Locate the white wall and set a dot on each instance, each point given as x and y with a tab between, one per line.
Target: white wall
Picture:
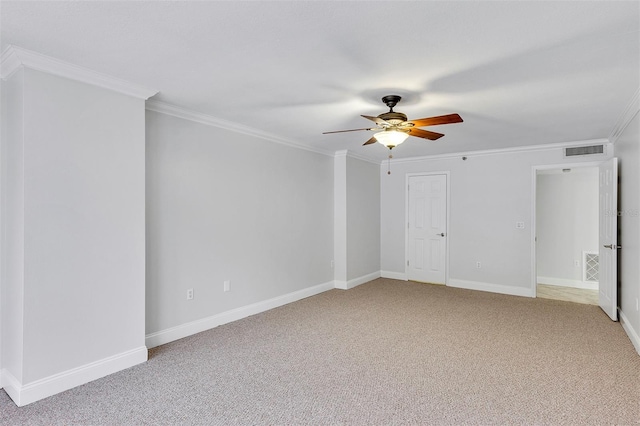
567	223
227	206
74	287
628	151
363	219
12	230
490	192
356	220
340	246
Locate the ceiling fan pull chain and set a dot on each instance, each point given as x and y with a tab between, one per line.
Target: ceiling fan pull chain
389	166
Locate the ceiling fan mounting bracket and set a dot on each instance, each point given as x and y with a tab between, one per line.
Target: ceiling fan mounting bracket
391	101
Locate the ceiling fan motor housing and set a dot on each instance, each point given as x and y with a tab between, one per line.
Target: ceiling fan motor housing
393	117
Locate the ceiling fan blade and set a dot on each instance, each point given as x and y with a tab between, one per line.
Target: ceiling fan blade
425	134
370	141
342	131
432	121
379	121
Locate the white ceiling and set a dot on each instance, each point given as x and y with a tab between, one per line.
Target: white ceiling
519	73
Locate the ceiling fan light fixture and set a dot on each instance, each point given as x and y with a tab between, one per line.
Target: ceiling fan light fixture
391	138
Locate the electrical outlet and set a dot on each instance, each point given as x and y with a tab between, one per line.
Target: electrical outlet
332	263
190	294
576	263
478	265
227	285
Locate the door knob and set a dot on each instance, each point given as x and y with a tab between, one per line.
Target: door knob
442	234
612	246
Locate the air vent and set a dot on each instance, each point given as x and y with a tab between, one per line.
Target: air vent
591	265
584	150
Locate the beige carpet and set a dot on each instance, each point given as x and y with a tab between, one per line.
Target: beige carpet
384	353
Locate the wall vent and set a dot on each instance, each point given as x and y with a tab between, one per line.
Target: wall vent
591	266
584	150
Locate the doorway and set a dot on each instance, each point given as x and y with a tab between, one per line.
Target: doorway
567	241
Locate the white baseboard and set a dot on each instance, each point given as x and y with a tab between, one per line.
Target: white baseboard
633	334
394	275
492	288
346	285
184	330
563	282
11	385
40	389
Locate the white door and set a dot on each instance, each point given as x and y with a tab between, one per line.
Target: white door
426	229
608	253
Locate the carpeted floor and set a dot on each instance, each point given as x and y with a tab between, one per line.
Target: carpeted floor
387	352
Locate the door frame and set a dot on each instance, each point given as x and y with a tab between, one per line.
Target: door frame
406	220
534	176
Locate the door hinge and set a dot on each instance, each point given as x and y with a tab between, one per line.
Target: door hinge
407	263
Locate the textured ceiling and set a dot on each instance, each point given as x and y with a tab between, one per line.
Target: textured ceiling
519	73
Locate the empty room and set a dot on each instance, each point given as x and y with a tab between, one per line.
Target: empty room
319	212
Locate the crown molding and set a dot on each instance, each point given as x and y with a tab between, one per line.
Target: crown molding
627	115
351	154
14	58
528	148
9	62
176	111
362	158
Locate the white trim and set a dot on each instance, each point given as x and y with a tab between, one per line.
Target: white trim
595	163
362	157
563	282
346	285
340	284
35	391
625	118
492	288
394	275
9	62
351	154
208	120
11	385
15	57
341	153
184	330
633	334
528	148
447	174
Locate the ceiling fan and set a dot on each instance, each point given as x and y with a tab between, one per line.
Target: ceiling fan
393	127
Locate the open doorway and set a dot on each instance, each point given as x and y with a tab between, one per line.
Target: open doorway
567	241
